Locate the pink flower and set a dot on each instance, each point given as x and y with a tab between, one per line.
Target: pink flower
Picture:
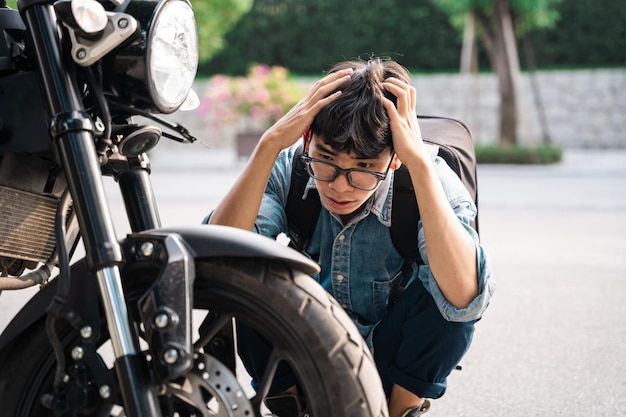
255	101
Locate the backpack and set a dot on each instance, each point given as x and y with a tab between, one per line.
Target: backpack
454	144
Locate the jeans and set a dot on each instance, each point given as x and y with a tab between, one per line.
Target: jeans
415	347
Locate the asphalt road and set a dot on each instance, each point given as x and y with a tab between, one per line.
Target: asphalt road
553	341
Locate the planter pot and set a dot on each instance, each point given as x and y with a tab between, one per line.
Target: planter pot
246	142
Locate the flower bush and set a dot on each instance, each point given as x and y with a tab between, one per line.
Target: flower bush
252	103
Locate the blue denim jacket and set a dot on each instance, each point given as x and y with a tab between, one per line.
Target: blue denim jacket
358	261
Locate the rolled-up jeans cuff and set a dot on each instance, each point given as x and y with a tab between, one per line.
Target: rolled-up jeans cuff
423	389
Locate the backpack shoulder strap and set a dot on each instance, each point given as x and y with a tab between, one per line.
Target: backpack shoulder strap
405	216
302	214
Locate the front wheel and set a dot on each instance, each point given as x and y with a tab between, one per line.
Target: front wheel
303	326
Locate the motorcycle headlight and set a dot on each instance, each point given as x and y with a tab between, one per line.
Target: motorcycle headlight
157	69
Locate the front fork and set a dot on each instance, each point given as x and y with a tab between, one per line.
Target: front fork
72	132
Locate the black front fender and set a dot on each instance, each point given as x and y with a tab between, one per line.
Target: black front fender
202	241
210	241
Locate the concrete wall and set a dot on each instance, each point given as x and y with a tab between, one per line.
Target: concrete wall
584	108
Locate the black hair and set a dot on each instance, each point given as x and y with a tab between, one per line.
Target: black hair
356	122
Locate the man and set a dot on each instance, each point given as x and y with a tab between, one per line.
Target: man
360	125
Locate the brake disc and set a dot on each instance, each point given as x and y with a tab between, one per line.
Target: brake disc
211	389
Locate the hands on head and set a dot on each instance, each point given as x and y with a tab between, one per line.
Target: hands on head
289	128
389	76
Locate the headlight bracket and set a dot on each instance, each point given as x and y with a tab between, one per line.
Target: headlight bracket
119	28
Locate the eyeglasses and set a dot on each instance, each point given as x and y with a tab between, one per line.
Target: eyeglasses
357	178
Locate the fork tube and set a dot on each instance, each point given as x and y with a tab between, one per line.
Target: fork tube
132	374
138	195
72	131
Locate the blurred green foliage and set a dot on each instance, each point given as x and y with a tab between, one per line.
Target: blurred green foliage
527	14
590	33
308	35
214	18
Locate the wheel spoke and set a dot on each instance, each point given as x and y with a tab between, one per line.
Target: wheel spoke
266	381
210	327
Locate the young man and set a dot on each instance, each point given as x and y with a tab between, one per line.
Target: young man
360	125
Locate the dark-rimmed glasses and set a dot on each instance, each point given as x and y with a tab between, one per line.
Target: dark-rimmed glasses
358	178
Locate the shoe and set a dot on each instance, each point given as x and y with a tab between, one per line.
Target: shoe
287	405
419	410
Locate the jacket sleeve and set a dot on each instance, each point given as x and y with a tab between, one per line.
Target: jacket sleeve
465	210
271	219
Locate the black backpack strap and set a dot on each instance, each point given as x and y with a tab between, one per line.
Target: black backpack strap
302	214
405	216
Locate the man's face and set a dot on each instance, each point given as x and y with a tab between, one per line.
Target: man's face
339	196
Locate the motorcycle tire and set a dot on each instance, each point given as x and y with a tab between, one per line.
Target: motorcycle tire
308	330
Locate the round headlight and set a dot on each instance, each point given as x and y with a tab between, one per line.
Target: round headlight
172	54
156	70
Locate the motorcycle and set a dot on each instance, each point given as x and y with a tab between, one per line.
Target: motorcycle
145	324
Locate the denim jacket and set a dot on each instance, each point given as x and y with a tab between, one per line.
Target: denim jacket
358	261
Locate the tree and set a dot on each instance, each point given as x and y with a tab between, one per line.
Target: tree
498	24
214	19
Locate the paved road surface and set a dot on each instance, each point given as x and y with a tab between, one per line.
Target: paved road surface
553	341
